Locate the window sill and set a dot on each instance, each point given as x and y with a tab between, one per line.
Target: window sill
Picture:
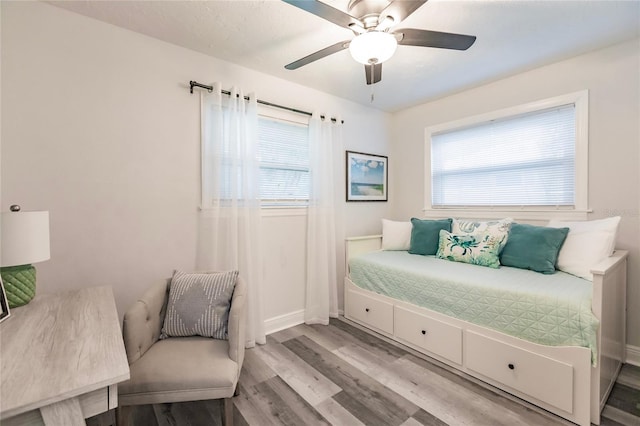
515	213
283	211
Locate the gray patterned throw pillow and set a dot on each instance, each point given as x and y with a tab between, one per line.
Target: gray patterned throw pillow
199	305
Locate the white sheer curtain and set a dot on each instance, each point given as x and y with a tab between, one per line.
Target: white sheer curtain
229	223
325	140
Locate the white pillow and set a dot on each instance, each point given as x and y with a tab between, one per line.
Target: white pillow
587	244
396	235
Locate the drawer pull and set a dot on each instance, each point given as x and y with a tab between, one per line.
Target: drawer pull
512	367
366	309
424	331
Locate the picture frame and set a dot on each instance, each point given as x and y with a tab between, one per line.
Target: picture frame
367	176
4	305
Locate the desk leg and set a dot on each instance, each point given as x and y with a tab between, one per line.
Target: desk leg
112	391
63	413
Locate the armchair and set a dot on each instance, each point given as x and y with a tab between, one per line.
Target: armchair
179	369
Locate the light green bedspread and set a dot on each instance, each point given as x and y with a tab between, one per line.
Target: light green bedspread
551	309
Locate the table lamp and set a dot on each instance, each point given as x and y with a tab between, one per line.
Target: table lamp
25	240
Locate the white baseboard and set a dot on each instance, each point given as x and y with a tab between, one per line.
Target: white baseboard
291	319
281	322
633	355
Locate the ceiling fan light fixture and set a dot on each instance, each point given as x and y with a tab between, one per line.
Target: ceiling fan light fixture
373	47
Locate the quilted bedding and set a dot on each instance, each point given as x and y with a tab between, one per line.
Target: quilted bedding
551	309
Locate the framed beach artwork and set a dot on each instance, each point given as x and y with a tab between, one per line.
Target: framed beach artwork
4	306
367	177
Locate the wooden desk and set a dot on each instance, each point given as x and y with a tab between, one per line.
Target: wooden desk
61	357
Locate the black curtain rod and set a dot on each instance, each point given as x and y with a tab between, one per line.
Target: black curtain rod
193	84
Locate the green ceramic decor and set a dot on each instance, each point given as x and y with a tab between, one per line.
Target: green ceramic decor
19	284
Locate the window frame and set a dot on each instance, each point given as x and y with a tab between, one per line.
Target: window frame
295	207
577	212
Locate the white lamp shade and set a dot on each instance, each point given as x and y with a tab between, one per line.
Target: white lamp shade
373	47
25	238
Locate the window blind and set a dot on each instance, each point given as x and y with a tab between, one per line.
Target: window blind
524	160
284	162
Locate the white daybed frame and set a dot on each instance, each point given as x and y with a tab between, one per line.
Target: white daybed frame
560	379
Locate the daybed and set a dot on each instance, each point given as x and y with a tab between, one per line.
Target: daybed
572	380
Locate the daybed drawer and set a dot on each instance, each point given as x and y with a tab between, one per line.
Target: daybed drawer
369	310
543	378
435	336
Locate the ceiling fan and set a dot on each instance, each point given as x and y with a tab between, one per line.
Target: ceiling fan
374	43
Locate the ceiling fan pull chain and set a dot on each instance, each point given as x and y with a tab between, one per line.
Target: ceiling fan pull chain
371	69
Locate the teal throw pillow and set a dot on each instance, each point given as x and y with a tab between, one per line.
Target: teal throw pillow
425	235
533	247
478	249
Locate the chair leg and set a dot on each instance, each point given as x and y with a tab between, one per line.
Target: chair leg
228	412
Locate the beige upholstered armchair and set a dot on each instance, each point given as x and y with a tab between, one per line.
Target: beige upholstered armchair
179	369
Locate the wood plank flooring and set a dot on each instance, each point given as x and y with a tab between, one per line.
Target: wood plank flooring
342	375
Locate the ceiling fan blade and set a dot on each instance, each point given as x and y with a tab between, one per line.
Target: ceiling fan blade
325	11
426	38
318	55
373	73
399	10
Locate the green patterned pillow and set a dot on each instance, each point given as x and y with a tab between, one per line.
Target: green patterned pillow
478	249
498	228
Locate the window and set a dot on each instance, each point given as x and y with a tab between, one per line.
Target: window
284	162
532	157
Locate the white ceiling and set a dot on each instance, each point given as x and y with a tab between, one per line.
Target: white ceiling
265	35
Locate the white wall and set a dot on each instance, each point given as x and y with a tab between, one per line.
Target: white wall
99	128
612	77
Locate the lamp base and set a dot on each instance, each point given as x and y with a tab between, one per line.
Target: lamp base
19	284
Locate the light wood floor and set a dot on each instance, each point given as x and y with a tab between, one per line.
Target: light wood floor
341	375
